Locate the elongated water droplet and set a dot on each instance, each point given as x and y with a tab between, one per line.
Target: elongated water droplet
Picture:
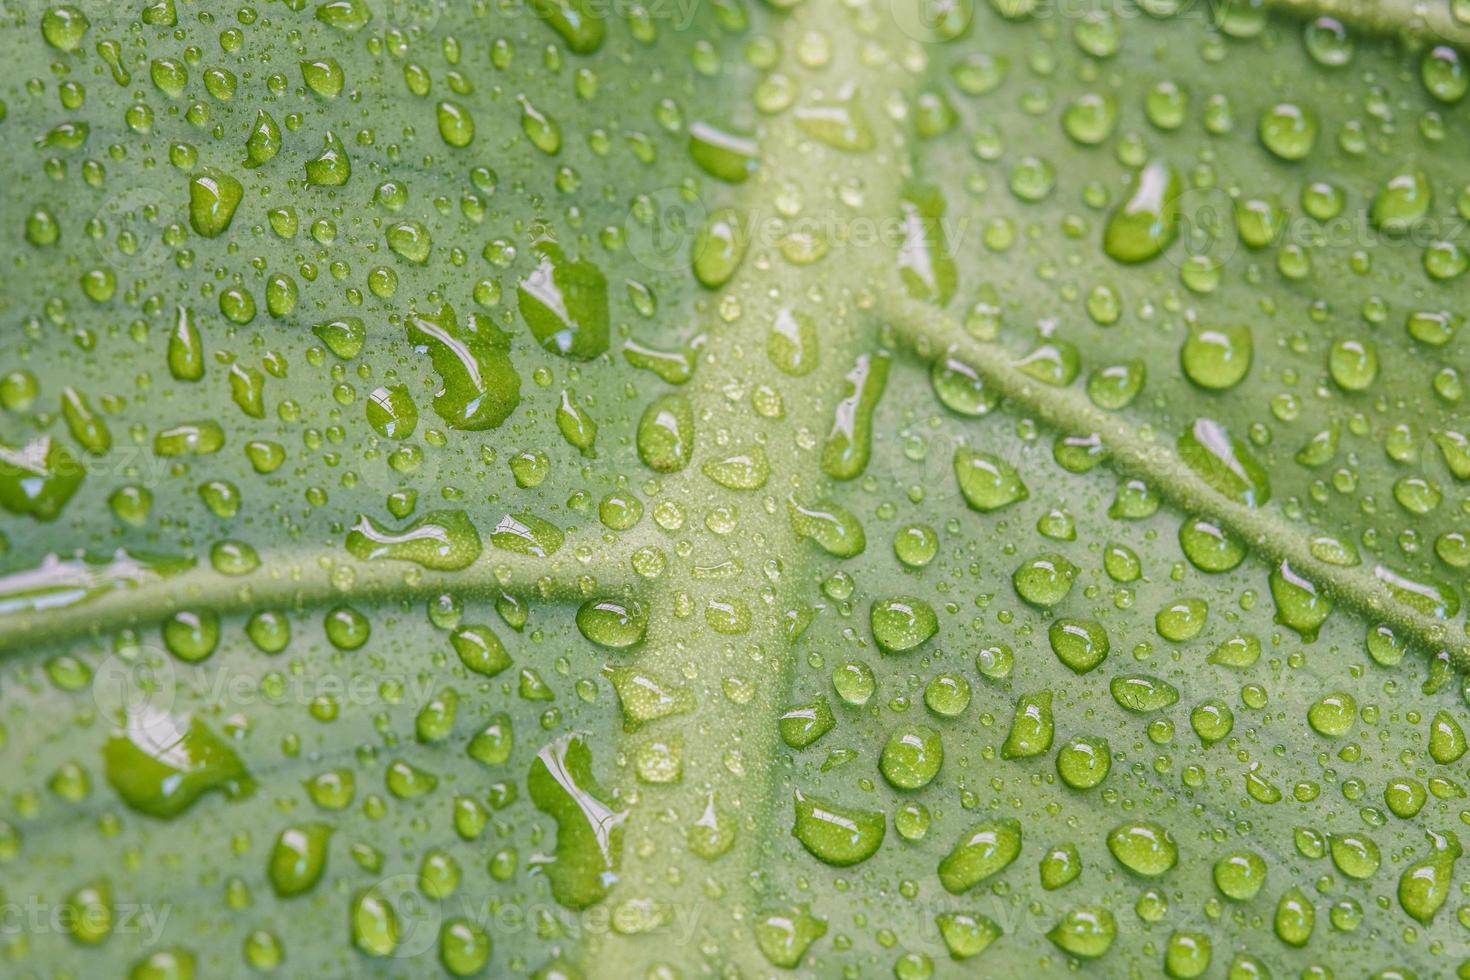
924	262
213	197
665	436
443	540
1424	885
792	342
1147	221
1225	463
718	248
264	142
299	858
1032	728
564	302
578	22
1300	605
849	443
583	866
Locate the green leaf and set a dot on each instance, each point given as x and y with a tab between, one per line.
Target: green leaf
568	489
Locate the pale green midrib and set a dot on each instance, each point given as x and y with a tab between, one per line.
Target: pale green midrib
1266	532
293	580
737	350
1425	22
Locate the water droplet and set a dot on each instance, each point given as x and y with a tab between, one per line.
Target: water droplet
1143	847
160	765
726	155
833	528
960	388
564	302
1401	202
213	197
983	851
1333	715
579	23
1225	463
1424	885
1032	728
987	482
1044	580
849	443
1181	620
902	623
1209	547
719	248
331	167
1142	693
443	540
785	935
480	387
1295	917
665	436
911	757
837	835
1086	932
1289	131
456	124
1147	221
804	724
924	262
612	623
588	848
299	858
1217	358
64	26
966	934
1081	644
1299	604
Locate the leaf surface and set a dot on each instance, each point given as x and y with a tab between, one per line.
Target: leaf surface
563	490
